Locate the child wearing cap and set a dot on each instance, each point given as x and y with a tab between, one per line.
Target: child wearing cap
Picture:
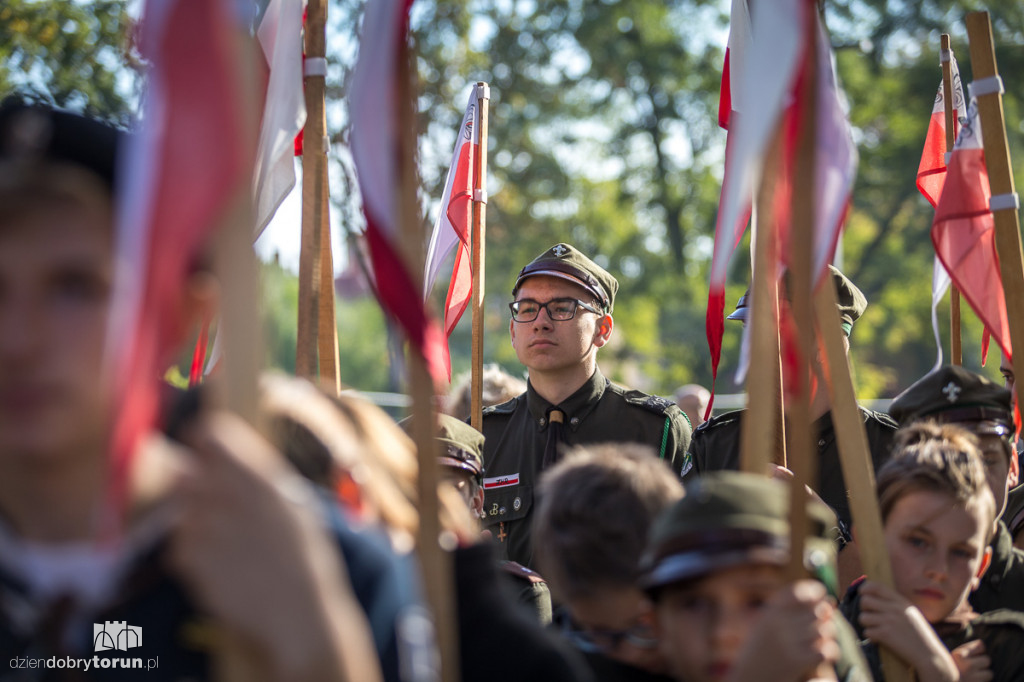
724	609
938	514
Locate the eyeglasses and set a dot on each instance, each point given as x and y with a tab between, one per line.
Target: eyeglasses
602	641
559	309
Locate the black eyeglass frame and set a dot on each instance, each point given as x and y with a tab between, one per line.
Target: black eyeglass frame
577	304
602	641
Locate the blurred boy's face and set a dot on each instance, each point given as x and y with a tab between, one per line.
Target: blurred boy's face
1001	470
56	267
702	625
936	547
619	623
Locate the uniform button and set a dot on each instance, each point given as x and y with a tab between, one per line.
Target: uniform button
501	512
821	443
542	421
575	421
996	579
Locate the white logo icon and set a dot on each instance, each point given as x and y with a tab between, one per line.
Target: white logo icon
115	634
560	250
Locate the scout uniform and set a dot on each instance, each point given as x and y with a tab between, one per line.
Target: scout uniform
955	395
716	443
462	448
730	519
520	431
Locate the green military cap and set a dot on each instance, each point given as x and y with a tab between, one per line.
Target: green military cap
462	445
566	262
728	518
952	394
851	301
36	132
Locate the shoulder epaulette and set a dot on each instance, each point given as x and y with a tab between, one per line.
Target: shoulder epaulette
507	407
721	420
520	571
651	403
882	417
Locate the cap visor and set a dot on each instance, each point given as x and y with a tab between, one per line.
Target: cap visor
689	565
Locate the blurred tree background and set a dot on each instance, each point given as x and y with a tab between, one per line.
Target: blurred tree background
603	133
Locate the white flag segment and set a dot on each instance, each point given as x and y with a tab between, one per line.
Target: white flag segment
376	153
835	160
931	171
766	81
735	57
284	109
448	232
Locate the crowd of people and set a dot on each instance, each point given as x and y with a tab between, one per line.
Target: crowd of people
594	532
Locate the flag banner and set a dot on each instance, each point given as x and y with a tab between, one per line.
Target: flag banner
963	232
452	227
764	49
735	57
931	175
931	171
284	108
182	168
376	152
835	164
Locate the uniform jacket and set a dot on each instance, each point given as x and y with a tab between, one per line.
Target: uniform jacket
516	434
1002	586
716	446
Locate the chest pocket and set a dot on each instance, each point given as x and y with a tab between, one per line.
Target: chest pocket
507	504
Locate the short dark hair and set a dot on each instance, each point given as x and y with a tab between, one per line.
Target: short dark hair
594	512
932	457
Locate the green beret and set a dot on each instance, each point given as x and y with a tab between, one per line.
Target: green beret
851	301
952	394
34	132
565	262
462	446
726	519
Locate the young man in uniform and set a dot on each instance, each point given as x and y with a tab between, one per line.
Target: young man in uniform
561	316
716	443
954	395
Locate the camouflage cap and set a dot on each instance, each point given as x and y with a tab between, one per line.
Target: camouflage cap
851	301
462	446
952	394
728	518
566	262
38	132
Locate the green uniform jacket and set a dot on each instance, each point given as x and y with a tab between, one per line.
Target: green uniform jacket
516	433
1002	586
1001	631
716	446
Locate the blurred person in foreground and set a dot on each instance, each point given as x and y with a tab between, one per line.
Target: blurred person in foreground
596	507
223	550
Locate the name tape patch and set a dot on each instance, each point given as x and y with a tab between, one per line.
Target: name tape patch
501	481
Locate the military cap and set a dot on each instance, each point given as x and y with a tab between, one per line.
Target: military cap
462	445
38	132
952	394
851	301
566	262
727	518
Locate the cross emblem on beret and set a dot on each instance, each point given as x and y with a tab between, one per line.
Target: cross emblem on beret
952	392
560	250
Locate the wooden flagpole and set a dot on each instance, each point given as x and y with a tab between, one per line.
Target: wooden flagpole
799	436
763	423
955	341
314	187
1000	178
479	242
436	564
327	336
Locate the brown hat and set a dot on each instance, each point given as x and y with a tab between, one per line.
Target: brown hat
566	262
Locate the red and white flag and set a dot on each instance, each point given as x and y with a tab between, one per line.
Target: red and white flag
735	58
963	232
931	172
452	227
931	175
187	162
376	151
284	107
